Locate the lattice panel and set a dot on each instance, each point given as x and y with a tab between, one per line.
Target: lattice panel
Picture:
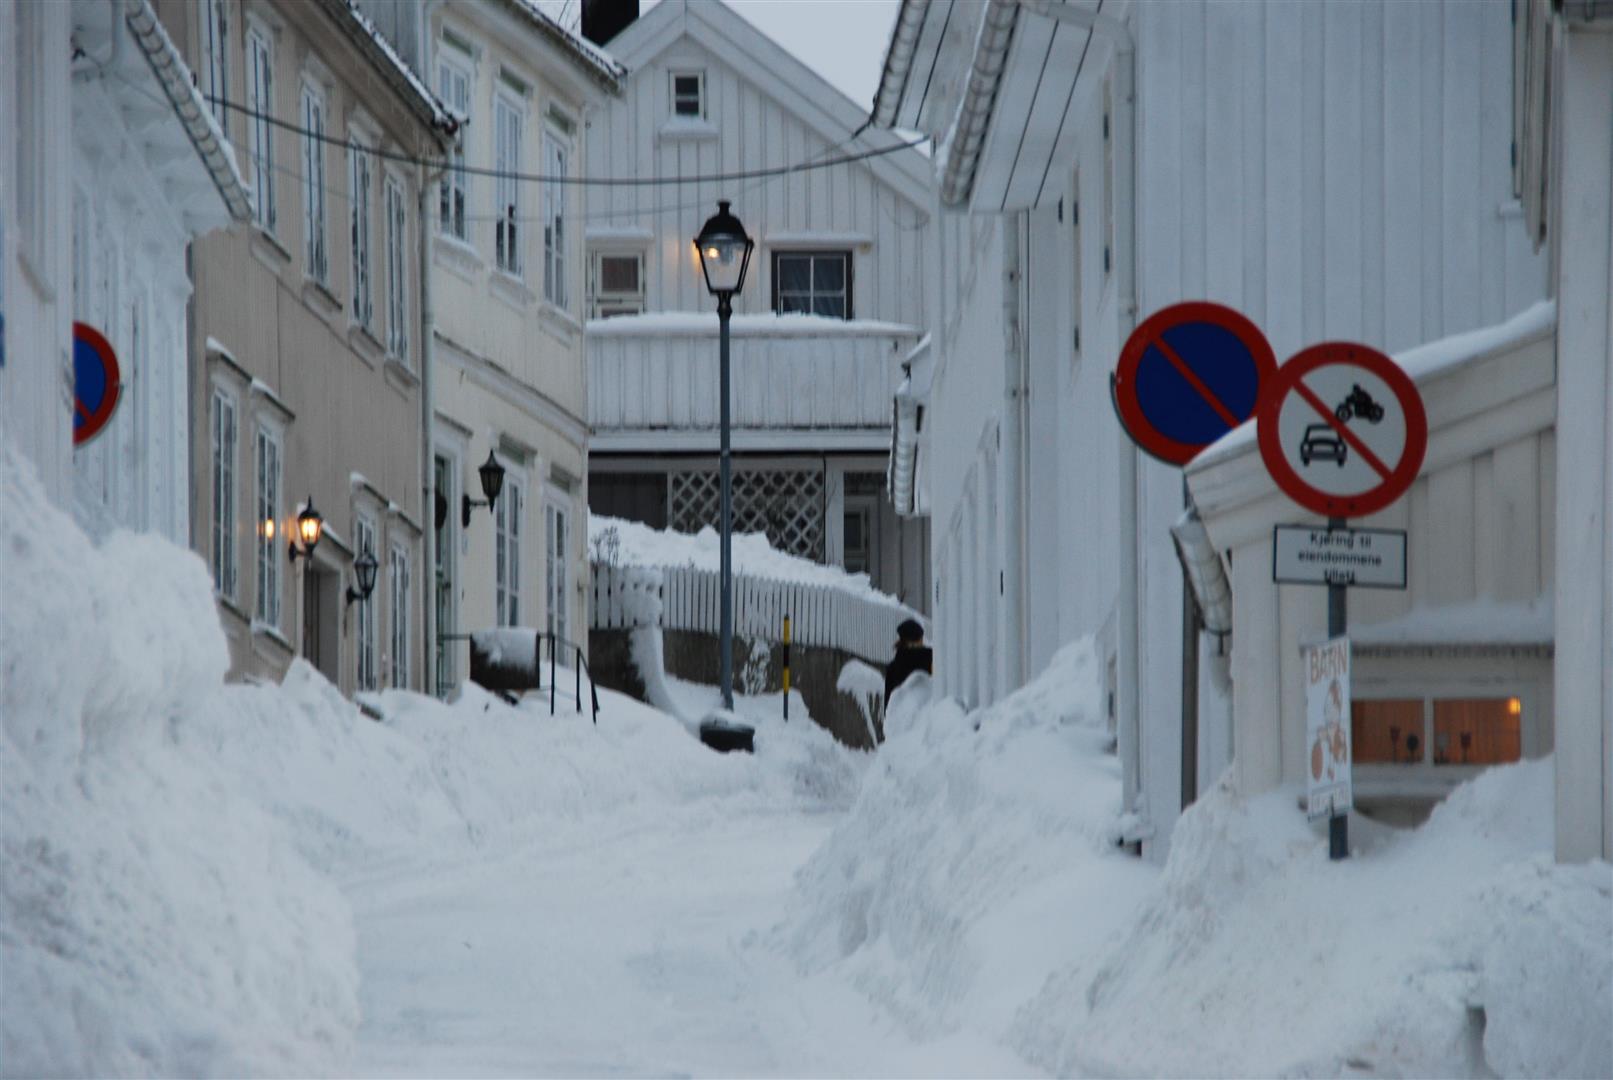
785	504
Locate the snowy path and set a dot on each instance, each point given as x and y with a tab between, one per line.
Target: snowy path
642	951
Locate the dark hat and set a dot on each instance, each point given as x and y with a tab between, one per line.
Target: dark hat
910	630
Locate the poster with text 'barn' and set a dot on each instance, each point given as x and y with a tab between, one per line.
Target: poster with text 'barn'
1327	728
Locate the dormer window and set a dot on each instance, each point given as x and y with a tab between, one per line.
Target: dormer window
689	94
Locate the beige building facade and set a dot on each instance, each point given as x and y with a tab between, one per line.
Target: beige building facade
306	340
508	291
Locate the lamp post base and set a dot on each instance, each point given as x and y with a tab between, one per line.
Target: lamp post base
724	732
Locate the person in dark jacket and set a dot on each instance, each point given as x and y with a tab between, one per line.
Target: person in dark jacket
911	655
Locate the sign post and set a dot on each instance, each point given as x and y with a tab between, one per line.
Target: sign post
1343	432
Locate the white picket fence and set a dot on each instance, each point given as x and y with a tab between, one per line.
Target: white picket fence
683	598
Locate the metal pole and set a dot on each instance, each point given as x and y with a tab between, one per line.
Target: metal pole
724	311
1338	825
786	669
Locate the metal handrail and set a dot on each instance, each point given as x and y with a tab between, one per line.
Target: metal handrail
554	640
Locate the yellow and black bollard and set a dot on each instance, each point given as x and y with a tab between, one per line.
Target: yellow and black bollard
786	669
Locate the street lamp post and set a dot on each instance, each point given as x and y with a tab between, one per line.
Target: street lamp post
725	251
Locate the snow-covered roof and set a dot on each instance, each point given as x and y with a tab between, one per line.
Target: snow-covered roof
416	94
905	480
766	324
600	64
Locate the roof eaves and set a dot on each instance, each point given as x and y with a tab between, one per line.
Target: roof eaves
898	62
175	78
979	99
416	95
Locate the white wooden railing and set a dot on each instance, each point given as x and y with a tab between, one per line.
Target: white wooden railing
684	598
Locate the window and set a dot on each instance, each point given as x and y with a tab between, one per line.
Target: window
313	184
364	630
397	272
453	86
359	212
260	99
555	571
555	163
618	284
507	554
266	609
223	425
507	122
217	31
812	283
689	94
443	471
32	156
398	646
1441	731
1075	268
1108	181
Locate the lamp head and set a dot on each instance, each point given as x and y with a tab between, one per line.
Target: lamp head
725	250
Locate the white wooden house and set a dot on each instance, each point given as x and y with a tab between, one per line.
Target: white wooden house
830	309
1337	171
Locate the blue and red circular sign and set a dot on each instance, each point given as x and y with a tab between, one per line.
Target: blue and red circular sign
97	383
1189	374
1342	429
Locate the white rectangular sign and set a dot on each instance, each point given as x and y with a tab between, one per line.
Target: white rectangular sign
1303	555
1327	729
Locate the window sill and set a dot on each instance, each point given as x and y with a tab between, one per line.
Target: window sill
370	350
269	250
512	290
560	317
687	129
400	371
231	606
272	633
317	295
458	256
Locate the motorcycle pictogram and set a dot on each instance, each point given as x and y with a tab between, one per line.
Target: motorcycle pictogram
1359	403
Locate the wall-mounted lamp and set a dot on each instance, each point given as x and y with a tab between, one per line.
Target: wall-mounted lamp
492	474
310	527
364	570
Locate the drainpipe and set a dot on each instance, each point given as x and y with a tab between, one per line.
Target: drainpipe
428	574
1012	455
1124	122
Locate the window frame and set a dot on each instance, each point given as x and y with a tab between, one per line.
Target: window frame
361	214
812	293
365	644
224	476
507	535
604	304
260	99
316	245
556	150
395	229
557	564
216	52
399	581
268	581
444	575
509	137
455	73
673	97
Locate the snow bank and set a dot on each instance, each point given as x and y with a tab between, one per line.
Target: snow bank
1454	949
974	859
152	920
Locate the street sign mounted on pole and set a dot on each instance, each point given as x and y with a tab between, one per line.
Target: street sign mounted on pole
1189	374
1328	788
1313	555
1342	430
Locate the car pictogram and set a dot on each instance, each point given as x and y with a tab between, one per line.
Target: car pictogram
1320	443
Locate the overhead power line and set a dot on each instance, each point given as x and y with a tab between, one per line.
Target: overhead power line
584	181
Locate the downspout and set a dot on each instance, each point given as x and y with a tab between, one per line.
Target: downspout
1124	121
1012	454
429	178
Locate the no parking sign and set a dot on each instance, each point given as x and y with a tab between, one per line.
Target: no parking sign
97	382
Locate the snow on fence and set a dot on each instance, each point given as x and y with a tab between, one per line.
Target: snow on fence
684	598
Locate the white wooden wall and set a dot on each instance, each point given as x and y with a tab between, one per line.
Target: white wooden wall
845	206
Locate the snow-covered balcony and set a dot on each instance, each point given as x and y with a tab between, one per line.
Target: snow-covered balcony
800	382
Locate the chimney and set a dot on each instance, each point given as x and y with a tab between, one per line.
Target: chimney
604	19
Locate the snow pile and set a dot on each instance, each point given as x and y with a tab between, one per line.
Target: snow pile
152	920
974	860
631	543
1450	950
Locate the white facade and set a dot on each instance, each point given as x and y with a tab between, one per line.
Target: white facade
849	244
117	168
1305	164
